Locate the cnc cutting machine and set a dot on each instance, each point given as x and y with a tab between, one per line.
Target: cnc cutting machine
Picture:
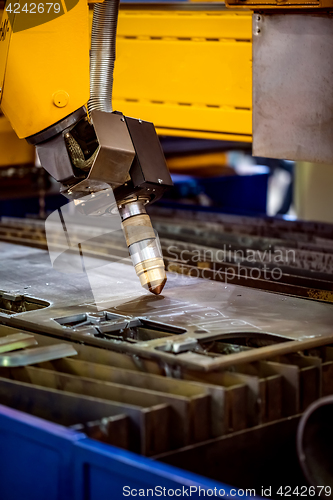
211	377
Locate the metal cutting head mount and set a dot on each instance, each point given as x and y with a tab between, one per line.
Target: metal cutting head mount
110	149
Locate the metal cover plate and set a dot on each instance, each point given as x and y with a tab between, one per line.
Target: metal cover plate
292	94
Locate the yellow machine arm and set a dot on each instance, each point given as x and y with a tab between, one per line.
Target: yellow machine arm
47	79
44	62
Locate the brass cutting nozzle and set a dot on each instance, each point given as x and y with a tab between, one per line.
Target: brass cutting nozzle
143	246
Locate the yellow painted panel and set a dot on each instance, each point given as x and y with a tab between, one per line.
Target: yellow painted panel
42	61
203	135
200	119
5	36
181	24
190	72
215	73
14	151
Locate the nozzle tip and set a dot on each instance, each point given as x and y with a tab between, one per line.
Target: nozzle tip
156	289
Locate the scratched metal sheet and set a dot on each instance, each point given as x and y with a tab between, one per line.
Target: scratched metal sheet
190	303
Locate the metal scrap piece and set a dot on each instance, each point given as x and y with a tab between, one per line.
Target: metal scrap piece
37	355
16	341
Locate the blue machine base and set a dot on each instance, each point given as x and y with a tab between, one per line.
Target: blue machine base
40	460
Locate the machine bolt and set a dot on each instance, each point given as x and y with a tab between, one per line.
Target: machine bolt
60	99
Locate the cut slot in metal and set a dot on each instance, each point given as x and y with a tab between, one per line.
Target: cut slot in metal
13	303
111	326
89	319
240	343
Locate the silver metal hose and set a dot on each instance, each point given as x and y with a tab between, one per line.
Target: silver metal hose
103	55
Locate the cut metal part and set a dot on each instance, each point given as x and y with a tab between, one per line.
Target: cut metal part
16	341
36	355
149	429
111	430
66	409
189	416
129	378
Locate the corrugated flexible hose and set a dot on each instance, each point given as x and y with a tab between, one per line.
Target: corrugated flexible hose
102	58
102	55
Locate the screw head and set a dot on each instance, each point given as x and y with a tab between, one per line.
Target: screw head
60	99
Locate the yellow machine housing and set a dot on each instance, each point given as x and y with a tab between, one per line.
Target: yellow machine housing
186	68
281	4
44	68
192	70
